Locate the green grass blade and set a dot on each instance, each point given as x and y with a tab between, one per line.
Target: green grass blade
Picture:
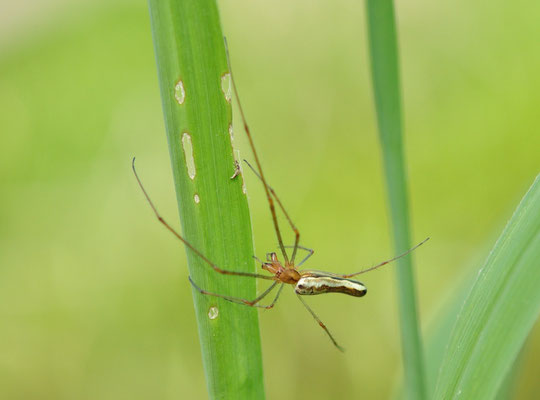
499	311
439	333
189	47
385	76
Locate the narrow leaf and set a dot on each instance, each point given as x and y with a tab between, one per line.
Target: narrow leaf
499	311
192	70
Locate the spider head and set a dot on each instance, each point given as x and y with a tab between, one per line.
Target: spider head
273	265
281	273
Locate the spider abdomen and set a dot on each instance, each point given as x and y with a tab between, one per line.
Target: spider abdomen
319	284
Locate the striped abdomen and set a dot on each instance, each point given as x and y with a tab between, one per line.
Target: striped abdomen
318	284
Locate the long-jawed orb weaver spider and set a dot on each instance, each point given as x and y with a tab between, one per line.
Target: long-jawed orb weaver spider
306	282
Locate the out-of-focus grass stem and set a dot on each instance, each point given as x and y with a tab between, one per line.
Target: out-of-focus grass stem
386	87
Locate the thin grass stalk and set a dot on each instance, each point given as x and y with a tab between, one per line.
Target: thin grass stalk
385	77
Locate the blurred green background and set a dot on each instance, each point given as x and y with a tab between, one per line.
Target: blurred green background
94	297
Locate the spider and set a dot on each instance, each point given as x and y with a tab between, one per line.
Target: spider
305	282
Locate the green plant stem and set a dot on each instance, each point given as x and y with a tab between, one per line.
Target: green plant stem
213	210
385	76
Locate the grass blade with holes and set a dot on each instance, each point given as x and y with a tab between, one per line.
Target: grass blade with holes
499	311
189	48
385	77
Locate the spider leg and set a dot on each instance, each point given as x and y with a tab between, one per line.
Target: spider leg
310	251
237	300
189	245
293	227
384	262
321	324
269	196
258	260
